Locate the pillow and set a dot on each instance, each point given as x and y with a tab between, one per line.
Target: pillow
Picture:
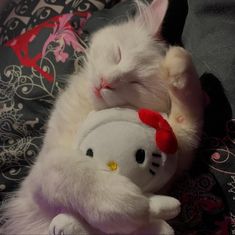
209	35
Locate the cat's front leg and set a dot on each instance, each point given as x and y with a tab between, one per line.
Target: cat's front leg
187	97
187	101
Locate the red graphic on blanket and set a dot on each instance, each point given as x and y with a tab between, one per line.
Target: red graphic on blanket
20	46
62	34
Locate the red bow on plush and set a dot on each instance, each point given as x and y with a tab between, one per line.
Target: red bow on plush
165	137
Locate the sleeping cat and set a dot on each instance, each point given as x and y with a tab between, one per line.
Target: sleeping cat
135	70
122	69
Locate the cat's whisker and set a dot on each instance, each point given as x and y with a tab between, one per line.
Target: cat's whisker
85	54
82	43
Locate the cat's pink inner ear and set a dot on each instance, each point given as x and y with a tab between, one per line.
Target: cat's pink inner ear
158	10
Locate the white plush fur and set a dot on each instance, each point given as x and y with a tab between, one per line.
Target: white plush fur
146	78
115	135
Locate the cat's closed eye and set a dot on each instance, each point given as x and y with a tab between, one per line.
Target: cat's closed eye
135	82
116	54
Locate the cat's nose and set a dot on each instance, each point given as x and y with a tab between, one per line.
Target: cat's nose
103	85
112	165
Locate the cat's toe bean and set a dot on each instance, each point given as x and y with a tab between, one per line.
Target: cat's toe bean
53	230
179	82
56	230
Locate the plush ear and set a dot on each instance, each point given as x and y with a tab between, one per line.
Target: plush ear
152	15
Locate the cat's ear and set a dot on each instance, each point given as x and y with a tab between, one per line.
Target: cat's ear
152	15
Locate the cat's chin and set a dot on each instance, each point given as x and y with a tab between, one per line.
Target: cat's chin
100	103
109	99
103	105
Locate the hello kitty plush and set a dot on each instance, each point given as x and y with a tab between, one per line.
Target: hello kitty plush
139	145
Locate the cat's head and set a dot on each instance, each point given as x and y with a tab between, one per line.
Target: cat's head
120	141
123	61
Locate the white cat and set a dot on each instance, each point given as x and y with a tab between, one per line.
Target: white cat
132	71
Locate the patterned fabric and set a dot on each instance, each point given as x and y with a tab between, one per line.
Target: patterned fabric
33	71
23	15
207	191
219	152
203	211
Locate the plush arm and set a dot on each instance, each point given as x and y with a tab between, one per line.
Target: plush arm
163	207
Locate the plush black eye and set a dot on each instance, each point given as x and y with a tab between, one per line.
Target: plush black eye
89	152
140	156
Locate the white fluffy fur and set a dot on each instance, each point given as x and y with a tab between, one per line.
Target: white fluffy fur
55	184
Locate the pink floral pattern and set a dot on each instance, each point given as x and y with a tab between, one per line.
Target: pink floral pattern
63	35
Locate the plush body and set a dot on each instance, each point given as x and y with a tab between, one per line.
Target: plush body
56	183
120	143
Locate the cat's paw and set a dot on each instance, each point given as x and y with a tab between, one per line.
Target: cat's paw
175	67
164	207
64	224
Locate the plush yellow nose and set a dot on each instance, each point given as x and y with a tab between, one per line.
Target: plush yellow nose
112	165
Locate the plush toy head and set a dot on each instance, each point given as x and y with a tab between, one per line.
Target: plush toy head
137	144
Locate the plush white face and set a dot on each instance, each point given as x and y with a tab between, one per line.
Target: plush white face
129	149
123	62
